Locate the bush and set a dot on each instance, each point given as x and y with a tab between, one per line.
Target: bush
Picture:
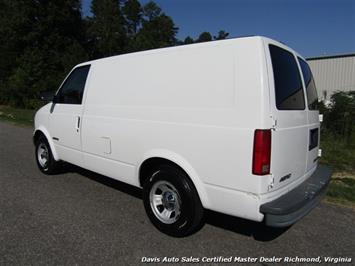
339	116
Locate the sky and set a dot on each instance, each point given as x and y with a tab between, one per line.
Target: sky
311	27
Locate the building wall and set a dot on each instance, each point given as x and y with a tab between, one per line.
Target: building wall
333	74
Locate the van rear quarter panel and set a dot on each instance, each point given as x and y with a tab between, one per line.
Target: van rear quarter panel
201	102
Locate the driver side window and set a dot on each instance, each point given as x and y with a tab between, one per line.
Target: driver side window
72	90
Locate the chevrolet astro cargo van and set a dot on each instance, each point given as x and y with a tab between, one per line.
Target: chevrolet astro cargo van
231	126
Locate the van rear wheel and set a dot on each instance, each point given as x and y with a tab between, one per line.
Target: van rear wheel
171	202
44	157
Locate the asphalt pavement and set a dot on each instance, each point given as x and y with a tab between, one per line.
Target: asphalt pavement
81	218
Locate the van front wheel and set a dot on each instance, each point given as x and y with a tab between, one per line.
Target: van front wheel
44	157
171	202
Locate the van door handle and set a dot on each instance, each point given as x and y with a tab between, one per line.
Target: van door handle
78	124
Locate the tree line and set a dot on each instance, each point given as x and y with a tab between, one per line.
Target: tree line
41	40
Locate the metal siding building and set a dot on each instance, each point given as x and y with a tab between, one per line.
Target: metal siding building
333	73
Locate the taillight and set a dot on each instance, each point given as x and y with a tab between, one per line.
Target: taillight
262	152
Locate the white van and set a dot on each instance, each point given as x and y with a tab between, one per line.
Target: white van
231	126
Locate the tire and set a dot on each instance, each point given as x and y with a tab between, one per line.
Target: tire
44	157
171	202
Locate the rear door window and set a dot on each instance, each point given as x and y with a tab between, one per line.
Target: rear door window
288	86
311	90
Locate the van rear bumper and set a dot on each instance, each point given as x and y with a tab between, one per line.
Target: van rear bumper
297	203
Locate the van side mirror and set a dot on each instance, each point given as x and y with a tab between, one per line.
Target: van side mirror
55	99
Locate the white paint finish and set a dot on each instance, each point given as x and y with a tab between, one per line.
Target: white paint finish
106	145
63	125
70	155
195	105
272	195
42	124
313	122
290	139
236	203
114	169
194	72
192	142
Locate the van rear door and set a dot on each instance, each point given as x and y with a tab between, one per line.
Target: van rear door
312	115
288	109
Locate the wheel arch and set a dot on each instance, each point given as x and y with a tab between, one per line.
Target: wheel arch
157	157
41	131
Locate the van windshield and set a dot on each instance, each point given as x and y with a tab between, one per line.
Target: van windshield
311	91
288	85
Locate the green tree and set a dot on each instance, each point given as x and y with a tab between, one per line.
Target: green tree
188	40
204	37
157	30
14	24
221	35
151	10
45	47
132	12
106	30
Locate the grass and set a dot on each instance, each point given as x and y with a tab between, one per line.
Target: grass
340	155
22	117
336	153
342	190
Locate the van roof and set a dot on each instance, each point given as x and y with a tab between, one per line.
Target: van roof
180	47
196	45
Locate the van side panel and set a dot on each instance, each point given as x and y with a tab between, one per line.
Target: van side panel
198	77
193	101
